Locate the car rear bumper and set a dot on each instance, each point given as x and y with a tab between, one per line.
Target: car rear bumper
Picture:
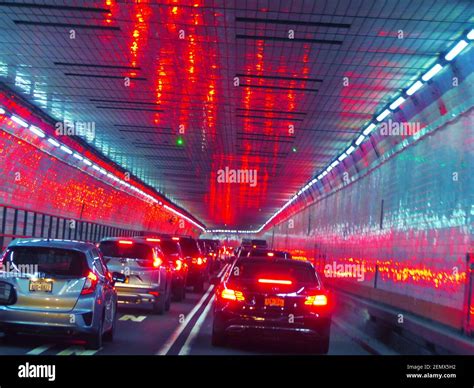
131	295
46	322
275	329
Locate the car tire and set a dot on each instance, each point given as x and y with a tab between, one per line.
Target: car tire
109	335
159	306
323	345
219	339
199	286
94	340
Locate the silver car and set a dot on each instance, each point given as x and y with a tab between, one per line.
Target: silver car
57	287
148	274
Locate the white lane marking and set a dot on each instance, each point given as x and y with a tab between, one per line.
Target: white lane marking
78	351
39	350
133	318
172	339
186	349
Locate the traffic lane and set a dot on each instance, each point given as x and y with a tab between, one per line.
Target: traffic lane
340	343
138	332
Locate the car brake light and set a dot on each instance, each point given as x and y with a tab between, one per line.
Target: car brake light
153	239
179	265
90	284
125	242
229	294
175	238
270	254
316	300
275	281
157	262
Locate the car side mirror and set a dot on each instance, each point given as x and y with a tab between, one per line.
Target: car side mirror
118	277
7	294
215	281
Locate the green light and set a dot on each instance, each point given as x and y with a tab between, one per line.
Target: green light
179	141
294	149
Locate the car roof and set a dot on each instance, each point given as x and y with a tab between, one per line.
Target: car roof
52	243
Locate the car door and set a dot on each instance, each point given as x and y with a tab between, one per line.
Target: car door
108	293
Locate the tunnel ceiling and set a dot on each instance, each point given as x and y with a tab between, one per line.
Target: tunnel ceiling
216	84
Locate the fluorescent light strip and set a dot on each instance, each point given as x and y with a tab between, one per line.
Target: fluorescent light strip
2	111
359	140
470	35
350	150
77	156
65	149
335	163
36	131
432	72
461	45
369	129
53	142
342	157
399	101
413	88
88	162
382	115
19	121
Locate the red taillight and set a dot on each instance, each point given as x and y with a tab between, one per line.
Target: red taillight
179	265
154	293
153	239
316	300
90	284
229	294
125	242
157	262
275	281
198	261
270	254
175	238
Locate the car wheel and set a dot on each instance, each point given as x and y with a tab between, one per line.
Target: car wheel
94	340
199	286
168	301
109	335
218	338
323	345
159	306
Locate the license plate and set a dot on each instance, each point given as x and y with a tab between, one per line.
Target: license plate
41	286
278	302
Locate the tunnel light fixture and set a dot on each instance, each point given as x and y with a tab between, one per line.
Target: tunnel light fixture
335	163
342	157
382	116
320	176
432	72
2	111
19	121
461	45
369	129
77	156
470	35
38	132
96	167
359	140
413	88
399	101
350	150
65	149
53	142
87	162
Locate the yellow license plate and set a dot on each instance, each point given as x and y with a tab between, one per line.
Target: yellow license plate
278	302
41	286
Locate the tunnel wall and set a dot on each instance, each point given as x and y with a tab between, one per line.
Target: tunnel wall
32	180
399	229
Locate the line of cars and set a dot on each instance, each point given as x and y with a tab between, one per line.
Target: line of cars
266	295
74	288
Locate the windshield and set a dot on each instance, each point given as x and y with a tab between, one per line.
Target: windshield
51	261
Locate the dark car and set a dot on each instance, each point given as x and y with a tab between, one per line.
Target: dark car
175	256
278	299
198	269
148	276
268	253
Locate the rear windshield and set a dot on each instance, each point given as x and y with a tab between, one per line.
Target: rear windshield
131	251
51	261
189	247
170	247
249	270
